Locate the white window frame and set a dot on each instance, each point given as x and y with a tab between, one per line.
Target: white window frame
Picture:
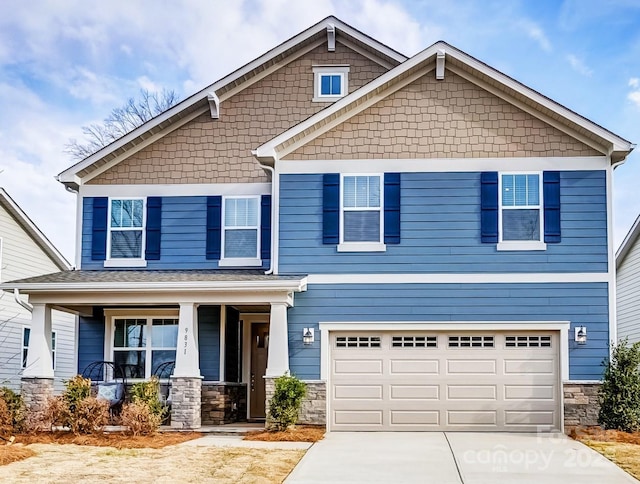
24	349
149	315
508	245
335	70
127	261
240	261
378	246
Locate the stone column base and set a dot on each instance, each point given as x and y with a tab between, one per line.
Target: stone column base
314	406
223	403
581	405
186	402
36	392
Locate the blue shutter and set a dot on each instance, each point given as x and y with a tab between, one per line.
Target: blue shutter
214	227
331	208
551	199
154	222
392	208
265	227
99	228
489	207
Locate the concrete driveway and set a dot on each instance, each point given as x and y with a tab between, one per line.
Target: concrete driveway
454	457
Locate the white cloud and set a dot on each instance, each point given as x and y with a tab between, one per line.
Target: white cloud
578	65
634	82
535	32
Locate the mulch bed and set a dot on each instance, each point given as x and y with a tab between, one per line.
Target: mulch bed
14	453
119	440
601	435
300	433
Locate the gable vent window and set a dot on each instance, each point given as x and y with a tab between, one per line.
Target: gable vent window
330	83
528	341
471	342
358	342
414	341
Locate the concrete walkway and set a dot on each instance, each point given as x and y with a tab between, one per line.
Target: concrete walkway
454	457
237	441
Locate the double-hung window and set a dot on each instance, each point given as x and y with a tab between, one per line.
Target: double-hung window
330	82
143	343
126	228
26	333
240	231
362	211
521	214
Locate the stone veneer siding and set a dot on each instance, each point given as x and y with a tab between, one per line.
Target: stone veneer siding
452	118
581	404
36	392
223	403
186	395
209	150
314	407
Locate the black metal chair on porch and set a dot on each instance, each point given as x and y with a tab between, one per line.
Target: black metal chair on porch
108	382
164	371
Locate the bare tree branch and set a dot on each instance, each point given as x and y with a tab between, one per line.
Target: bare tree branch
121	121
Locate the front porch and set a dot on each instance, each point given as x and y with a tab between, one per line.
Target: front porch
227	333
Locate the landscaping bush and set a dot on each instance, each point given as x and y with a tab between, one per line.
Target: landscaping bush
286	401
148	393
16	409
620	392
140	418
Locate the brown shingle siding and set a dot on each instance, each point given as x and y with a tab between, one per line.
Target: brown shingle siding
219	151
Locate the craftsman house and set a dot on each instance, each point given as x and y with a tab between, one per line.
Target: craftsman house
425	241
26	252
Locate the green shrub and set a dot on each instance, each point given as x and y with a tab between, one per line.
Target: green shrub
620	392
76	390
286	402
16	408
148	393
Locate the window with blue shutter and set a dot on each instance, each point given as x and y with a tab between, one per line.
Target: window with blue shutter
154	222
489	207
99	228
265	227
551	195
331	208
392	208
214	227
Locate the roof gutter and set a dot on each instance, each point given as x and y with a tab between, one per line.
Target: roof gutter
271	170
26	305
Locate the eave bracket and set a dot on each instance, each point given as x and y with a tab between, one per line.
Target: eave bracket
214	105
440	65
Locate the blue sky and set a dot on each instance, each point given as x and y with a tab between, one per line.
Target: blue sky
67	63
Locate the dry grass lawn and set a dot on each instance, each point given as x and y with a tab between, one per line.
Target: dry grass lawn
71	463
119	440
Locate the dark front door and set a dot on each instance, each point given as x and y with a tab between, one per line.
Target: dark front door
259	348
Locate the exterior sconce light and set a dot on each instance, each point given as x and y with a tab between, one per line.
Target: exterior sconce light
307	336
581	335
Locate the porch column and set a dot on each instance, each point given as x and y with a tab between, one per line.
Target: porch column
278	353
37	377
186	382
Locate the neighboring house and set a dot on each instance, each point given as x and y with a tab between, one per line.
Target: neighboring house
628	285
420	239
26	252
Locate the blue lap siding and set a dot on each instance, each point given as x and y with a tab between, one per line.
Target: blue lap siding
580	303
440	220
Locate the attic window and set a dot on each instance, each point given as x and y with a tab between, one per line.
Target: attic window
330	83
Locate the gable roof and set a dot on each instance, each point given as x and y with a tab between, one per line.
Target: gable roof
199	103
437	57
32	230
628	242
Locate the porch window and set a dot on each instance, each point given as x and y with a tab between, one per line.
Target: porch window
126	233
26	333
241	224
142	344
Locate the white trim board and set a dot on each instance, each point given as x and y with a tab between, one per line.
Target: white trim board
442	165
439	278
561	326
175	190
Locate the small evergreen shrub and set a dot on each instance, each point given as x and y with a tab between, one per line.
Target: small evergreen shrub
140	419
16	408
286	402
620	392
148	393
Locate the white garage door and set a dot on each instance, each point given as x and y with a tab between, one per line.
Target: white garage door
395	381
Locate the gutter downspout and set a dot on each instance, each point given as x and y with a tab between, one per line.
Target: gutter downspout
273	212
26	305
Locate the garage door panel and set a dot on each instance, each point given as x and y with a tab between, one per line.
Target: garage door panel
359	367
414	367
471	367
446	386
414	392
472	392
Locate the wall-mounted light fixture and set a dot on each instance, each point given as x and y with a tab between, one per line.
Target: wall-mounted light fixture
308	336
581	335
